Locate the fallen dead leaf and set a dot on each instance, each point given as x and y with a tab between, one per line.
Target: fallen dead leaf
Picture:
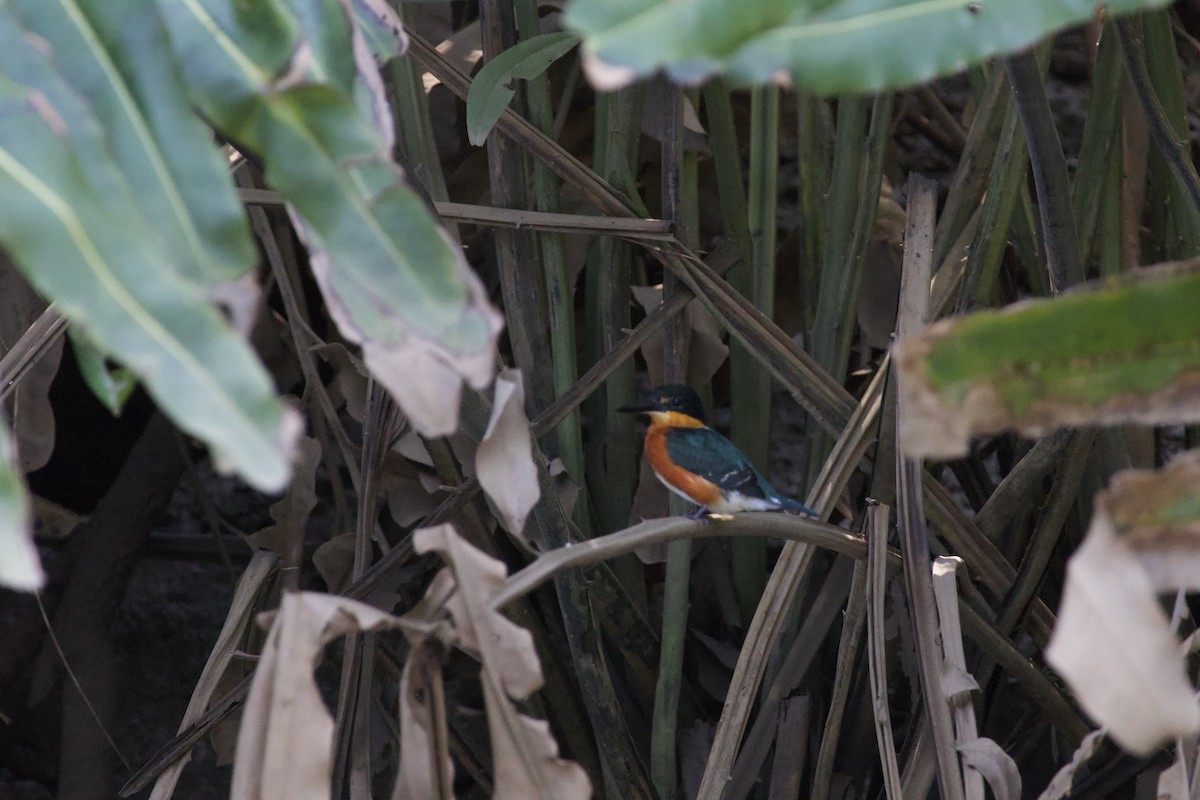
504	648
996	766
426	771
504	460
1113	643
291	512
1060	784
524	753
285	745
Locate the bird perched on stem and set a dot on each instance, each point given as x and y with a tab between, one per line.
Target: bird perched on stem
699	464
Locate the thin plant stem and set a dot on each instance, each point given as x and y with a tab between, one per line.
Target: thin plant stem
560	294
914	543
1049	171
750	393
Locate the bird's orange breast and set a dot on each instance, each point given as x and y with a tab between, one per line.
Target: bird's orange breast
699	490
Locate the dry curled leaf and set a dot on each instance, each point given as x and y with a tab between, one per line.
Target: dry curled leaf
524	753
285	745
996	766
1113	643
506	649
291	512
526	756
1060	784
504	460
426	771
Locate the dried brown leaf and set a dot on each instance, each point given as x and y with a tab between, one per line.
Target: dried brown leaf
425	767
504	460
29	407
407	498
291	512
412	447
426	771
334	560
1114	647
996	766
506	649
525	755
285	745
1060	784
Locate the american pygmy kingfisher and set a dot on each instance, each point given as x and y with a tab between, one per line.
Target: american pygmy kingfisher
699	464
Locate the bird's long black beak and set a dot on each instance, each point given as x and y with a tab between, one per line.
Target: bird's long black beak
638	407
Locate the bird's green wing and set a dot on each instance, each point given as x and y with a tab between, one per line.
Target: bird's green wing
713	457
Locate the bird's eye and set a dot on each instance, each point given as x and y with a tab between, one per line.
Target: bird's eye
676	401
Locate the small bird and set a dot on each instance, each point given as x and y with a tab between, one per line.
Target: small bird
699	464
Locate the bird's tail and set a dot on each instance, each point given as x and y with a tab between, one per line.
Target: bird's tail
792	505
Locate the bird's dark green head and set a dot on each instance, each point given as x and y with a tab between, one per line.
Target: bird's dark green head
673	398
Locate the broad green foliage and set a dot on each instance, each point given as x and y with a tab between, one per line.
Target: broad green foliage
115	55
112	387
116	204
824	46
74	224
297	85
1122	351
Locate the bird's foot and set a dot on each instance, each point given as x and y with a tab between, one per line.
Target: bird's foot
700	514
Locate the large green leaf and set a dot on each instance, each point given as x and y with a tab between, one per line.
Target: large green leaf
1113	352
296	83
116	54
71	222
19	564
111	386
825	46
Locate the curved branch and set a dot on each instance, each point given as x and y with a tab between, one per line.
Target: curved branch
661	531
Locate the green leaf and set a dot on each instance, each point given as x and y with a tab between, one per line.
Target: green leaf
382	28
115	53
71	222
392	280
825	46
20	567
490	92
1115	352
112	386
